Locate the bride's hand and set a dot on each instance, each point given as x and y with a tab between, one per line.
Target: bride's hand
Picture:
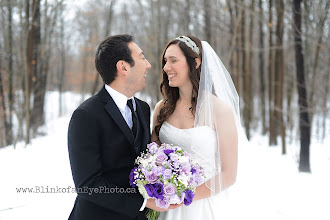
151	204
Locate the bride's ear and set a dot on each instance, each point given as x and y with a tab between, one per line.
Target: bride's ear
198	62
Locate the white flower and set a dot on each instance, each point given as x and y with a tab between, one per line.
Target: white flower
184	159
145	162
142	190
183	179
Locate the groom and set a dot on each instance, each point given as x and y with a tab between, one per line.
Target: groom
107	132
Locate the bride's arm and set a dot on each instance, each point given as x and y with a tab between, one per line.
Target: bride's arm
228	141
154	137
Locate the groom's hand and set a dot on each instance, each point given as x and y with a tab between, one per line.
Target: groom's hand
151	204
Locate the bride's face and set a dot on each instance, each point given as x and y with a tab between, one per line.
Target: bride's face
176	66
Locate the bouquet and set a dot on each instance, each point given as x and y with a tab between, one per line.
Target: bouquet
168	174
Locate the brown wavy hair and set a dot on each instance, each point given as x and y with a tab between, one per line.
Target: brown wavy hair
171	94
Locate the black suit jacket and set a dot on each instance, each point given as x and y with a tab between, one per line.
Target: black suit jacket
102	154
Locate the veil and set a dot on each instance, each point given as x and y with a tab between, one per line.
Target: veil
216	91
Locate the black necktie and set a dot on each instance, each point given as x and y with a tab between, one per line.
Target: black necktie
130	105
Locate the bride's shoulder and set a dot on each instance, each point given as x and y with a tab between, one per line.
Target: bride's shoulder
220	106
158	107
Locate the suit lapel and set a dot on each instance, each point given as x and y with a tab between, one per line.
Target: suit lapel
116	115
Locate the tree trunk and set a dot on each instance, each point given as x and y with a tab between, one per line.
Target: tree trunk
279	70
3	111
234	31
187	17
207	19
315	76
9	135
36	114
261	70
272	127
237	73
245	76
325	103
304	124
106	34
63	63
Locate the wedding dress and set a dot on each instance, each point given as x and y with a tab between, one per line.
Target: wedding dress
216	89
208	208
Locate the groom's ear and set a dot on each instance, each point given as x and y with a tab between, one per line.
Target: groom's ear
121	67
198	62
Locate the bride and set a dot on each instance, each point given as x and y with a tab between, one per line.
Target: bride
200	113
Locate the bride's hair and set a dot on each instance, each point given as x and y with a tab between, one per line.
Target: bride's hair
171	94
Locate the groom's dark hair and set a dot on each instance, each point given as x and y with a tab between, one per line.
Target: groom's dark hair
109	52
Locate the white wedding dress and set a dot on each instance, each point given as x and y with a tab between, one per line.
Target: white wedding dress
209	208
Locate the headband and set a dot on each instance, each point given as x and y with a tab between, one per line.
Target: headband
190	43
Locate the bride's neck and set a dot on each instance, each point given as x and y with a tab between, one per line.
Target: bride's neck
185	94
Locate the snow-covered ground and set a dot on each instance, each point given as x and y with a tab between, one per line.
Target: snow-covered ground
268	184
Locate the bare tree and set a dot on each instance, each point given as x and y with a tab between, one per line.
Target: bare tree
261	68
207	19
271	92
304	124
279	72
108	22
9	130
3	111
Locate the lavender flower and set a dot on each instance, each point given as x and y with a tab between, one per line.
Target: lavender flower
186	168
169	189
167	174
160	157
162	203
151	177
158	170
153	148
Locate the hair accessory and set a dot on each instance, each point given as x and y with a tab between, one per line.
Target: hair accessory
190	43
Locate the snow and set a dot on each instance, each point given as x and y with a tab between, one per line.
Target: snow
268	186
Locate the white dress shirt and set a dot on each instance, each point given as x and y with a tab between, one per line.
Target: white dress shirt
121	102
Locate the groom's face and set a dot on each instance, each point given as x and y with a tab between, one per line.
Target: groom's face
138	72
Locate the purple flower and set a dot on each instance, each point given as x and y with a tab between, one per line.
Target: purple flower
158	191
153	147
169	189
189	195
193	170
131	177
162	203
155	190
150	189
168	151
151	177
160	157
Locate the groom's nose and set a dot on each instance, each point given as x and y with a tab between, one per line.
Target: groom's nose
148	65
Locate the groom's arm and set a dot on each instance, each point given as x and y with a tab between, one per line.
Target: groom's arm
85	159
